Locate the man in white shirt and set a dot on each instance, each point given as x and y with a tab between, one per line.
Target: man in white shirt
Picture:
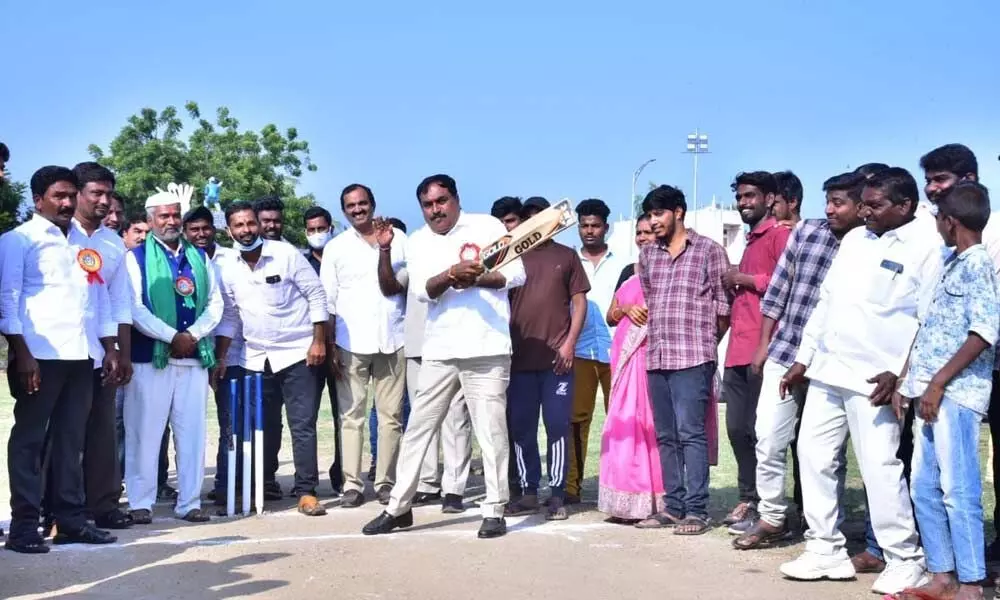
455	437
592	365
877	283
466	347
280	301
53	311
367	340
199	231
176	304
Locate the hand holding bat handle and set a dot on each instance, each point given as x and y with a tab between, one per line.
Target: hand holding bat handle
464	274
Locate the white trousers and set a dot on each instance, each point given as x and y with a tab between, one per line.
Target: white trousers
454	440
177	394
830	413
775	428
483	381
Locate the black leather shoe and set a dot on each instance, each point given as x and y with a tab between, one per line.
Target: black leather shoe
352	499
88	534
195	515
385	523
272	492
452	504
116	519
422	498
141	516
28	544
166	493
384	493
492	528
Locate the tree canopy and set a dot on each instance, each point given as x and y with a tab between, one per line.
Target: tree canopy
13	204
150	152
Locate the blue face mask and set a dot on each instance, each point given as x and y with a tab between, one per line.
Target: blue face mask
257	243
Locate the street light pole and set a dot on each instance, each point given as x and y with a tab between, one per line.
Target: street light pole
697	143
635	177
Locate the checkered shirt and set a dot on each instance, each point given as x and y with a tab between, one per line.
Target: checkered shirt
794	288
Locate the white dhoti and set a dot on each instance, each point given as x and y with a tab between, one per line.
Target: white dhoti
177	394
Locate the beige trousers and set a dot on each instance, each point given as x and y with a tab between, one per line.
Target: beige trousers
388	372
454	439
483	382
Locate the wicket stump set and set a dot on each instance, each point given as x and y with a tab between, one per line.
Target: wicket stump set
253	448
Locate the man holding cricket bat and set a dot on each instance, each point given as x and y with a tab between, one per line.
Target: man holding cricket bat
466	346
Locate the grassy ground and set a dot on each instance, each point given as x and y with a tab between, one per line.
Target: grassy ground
723	476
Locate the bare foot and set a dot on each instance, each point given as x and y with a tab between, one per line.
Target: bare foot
969	592
941	585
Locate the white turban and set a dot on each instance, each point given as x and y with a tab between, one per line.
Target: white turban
174	194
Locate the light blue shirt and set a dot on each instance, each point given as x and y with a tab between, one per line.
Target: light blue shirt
595	337
965	301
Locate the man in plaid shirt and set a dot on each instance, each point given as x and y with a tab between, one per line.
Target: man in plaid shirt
681	277
790	299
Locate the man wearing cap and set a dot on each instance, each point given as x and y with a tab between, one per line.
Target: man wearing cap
176	304
199	231
546	316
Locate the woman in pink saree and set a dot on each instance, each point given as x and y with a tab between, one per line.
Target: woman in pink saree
631	481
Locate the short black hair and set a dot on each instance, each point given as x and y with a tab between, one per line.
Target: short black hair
445	181
121	199
314	212
91	172
357	186
950	158
131	219
664	197
45	177
789	187
869	169
643	217
4	152
267	203
969	203
762	180
898	185
850	182
593	207
199	213
397	223
240	206
506	206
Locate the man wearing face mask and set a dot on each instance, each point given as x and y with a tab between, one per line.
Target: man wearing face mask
319	231
280	301
176	304
367	328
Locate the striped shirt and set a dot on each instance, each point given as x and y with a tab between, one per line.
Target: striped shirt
794	289
685	297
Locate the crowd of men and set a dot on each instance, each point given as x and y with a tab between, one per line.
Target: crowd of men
876	323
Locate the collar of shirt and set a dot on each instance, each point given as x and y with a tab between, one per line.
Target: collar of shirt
366	321
763	227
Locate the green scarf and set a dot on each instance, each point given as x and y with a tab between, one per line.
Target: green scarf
163	297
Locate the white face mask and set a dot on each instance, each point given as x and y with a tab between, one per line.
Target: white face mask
257	243
319	239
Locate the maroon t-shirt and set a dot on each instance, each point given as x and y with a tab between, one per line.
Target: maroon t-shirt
539	309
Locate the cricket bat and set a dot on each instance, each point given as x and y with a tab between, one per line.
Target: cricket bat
539	228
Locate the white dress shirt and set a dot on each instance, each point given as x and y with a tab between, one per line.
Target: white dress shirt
278	302
224	258
465	323
112	251
366	321
151	326
869	305
45	295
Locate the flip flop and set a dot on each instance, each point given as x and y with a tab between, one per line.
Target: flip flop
659	520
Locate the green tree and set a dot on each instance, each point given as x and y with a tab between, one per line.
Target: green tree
637	201
150	152
14	208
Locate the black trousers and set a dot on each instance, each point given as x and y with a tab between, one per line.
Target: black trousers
337	467
741	390
299	388
101	475
60	408
994	420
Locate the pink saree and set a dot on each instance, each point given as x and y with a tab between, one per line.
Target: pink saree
631	481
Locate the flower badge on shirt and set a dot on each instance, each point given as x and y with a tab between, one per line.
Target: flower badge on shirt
469	252
185	289
91	262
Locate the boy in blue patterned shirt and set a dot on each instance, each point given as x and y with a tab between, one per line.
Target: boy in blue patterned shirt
950	372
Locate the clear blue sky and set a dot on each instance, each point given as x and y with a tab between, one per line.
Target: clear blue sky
550	98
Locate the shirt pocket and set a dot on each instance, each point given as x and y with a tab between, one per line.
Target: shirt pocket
274	294
886	287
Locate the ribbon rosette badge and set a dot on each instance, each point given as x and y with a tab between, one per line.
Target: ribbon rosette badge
91	262
184	287
469	252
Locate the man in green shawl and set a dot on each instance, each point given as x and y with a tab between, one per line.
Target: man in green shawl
177	303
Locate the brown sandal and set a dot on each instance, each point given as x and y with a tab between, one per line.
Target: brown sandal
692	525
659	520
760	534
